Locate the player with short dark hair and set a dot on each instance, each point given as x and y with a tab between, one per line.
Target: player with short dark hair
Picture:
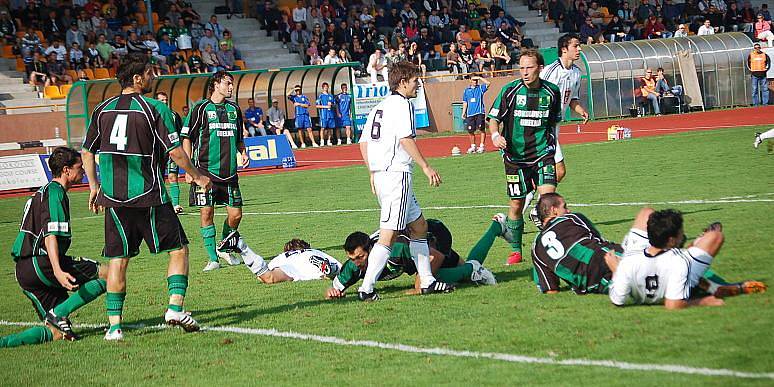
302	121
527	109
325	102
389	151
662	271
172	169
474	111
133	135
44	271
213	138
446	263
343	116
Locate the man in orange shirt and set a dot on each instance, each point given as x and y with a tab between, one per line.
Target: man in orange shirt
758	62
648	89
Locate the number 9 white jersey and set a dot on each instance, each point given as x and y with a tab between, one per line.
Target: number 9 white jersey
391	120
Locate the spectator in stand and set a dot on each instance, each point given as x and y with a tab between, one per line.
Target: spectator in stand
254	119
733	18
59	51
197	32
269	17
74	35
616	30
166	47
453	60
463	37
589	31
763	30
654	29
662	86
426	45
595	13
467	62
299	38
300	13
226	58
52	27
37	70
681	31
102	29
748	17
177	64
210	59
500	54
207	40
77	61
30	43
671	11
377	65
483	57
151	45
93	57
134	44
196	64
706	29
166	29
758	62
627	15
413	56
314	19
217	29
57	75
648	91
86	26
765	12
407	13
344	56
332	57
645	10
508	36
556	11
7	27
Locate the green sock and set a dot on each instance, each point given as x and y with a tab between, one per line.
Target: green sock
481	249
208	234
174	191
176	285
114	302
711	276
226	229
454	274
516	227
34	335
114	328
85	294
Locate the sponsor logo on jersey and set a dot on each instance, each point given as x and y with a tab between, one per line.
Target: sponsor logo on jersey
232	115
212	115
525	122
185	130
223	125
521	100
224	133
173	137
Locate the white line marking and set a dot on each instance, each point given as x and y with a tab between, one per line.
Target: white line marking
572	129
668	368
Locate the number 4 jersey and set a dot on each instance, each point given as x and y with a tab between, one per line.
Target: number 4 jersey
391	120
132	134
571	249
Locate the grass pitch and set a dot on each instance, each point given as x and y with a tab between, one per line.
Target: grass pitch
511	317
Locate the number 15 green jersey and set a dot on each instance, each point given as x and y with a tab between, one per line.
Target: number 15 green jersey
215	131
132	134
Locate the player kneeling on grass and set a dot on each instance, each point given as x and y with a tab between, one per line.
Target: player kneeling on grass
298	262
445	262
660	270
43	270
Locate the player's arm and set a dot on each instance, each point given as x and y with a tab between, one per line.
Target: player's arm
240	140
678	291
464	109
546	280
56	224
577	108
52	248
496	115
346	278
620	286
412	149
90	166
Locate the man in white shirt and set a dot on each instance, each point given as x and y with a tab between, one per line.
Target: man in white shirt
297	262
706	28
664	272
377	64
389	151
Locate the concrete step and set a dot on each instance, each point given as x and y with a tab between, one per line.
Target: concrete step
8	95
32	102
544	31
13	74
255	43
10	82
262	52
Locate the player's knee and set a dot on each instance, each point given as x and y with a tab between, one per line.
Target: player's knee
711	242
642	217
235	218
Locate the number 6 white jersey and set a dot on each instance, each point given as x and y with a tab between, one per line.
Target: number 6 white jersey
568	81
387	123
644	279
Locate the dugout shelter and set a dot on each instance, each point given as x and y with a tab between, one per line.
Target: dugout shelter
612	71
261	84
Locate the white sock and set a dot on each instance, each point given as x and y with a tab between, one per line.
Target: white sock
377	258
768	134
527	202
420	253
253	261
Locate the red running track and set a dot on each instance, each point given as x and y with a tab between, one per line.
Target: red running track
339	156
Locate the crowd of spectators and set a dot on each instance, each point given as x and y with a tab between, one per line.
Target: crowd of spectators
619	20
459	35
69	41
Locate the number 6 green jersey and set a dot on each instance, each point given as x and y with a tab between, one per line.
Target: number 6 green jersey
132	134
529	117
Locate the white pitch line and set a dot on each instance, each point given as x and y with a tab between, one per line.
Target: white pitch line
507	357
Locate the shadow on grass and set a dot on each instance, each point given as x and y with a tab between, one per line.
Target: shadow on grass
631	220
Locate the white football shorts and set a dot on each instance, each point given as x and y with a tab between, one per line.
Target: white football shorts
558	156
395	194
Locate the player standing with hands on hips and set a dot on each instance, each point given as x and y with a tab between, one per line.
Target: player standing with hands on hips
527	109
389	150
133	134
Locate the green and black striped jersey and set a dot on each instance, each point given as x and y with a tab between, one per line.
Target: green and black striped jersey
529	117
132	134
571	249
215	131
46	213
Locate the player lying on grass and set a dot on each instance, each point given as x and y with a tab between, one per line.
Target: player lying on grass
571	249
660	270
44	271
446	263
297	262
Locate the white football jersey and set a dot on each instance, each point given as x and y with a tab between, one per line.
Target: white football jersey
644	279
306	265
387	123
568	80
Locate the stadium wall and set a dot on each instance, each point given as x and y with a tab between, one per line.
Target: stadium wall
440	96
30	127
